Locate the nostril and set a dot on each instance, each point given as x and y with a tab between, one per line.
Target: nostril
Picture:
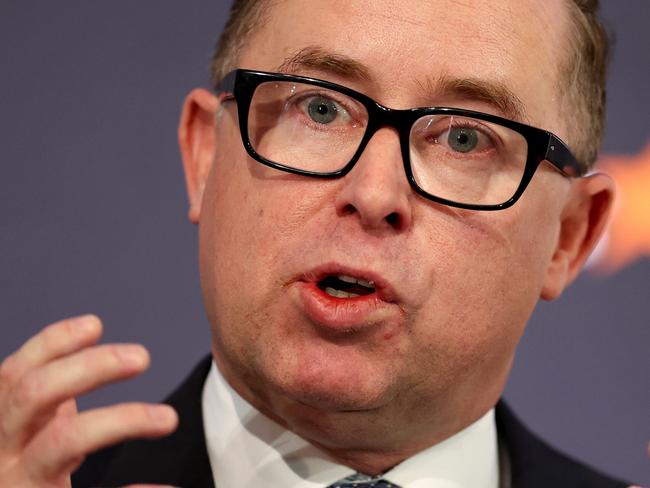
348	209
373	212
393	219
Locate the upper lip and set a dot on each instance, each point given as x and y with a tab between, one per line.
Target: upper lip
382	286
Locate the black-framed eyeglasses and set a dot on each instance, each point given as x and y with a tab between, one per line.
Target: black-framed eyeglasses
456	157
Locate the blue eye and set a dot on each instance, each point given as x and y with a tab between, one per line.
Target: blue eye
322	110
463	139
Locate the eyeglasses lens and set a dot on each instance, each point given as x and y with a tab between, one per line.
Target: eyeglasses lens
467	160
304	126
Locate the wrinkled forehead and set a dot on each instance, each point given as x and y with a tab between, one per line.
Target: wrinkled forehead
403	45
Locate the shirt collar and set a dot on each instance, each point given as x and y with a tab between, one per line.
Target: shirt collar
248	450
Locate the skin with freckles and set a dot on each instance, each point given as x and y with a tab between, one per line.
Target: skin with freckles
414	369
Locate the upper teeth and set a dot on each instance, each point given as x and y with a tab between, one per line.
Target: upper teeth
359	281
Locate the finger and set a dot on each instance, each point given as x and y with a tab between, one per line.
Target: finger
39	393
54	341
68	408
60	448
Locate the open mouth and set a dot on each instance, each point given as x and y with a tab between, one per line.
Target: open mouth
341	299
343	286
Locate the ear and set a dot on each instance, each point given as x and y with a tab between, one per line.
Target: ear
197	140
584	219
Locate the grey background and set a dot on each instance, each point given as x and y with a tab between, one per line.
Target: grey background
93	215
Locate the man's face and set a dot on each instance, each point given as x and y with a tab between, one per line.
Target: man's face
454	287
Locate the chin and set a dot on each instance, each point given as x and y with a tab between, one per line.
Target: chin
327	400
335	388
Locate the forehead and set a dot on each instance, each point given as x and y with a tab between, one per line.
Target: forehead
404	43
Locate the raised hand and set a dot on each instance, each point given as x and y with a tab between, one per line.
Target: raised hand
43	437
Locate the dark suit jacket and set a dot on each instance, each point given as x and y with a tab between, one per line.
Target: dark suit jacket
182	459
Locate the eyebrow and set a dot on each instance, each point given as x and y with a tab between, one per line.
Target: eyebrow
493	93
318	59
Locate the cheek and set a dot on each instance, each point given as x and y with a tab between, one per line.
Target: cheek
234	234
486	281
252	217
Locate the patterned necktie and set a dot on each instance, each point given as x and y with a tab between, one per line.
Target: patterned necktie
359	480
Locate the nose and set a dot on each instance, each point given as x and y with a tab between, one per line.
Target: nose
376	190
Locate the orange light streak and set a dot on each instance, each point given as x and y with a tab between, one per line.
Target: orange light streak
628	234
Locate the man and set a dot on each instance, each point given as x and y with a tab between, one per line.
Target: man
367	271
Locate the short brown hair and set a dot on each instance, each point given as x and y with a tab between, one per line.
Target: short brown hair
245	15
583	73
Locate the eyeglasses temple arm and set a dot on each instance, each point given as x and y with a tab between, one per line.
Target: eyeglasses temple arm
227	85
562	158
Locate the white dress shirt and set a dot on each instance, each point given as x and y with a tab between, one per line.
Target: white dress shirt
249	450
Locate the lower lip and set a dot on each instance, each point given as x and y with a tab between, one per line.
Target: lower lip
342	314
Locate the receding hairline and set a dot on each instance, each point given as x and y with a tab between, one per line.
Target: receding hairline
580	86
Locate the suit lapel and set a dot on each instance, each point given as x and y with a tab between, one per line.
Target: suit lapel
534	464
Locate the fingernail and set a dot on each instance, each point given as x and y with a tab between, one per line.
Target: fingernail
163	414
133	355
87	323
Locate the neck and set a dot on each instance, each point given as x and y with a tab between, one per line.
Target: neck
372	463
372	441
